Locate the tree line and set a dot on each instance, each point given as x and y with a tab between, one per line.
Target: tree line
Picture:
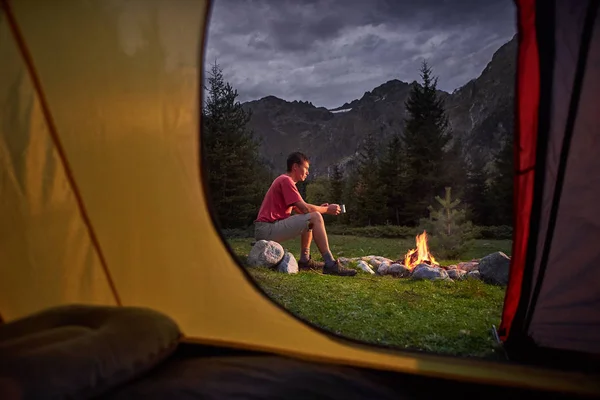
395	181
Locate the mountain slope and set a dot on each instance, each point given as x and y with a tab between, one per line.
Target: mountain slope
480	113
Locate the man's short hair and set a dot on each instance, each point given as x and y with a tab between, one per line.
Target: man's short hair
295	158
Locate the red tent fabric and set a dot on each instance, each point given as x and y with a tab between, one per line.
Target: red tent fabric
526	99
552	300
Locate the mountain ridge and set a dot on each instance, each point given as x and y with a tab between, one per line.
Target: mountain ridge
480	114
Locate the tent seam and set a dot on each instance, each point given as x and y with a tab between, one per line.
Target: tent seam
29	64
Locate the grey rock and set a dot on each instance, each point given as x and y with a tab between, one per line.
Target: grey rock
383	269
424	271
365	267
399	270
265	253
474	274
494	268
456	274
467	265
288	264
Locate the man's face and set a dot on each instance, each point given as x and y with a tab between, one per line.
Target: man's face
301	171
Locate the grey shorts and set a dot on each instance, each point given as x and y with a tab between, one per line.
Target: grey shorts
282	230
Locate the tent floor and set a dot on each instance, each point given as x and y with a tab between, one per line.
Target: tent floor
201	372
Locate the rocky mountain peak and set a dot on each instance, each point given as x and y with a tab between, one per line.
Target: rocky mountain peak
480	113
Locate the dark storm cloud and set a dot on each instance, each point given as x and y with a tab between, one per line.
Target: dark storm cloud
332	51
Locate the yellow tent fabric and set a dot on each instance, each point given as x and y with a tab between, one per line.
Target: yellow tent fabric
101	199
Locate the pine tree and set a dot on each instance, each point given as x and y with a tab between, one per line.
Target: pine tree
336	185
368	189
501	189
317	190
350	184
425	137
451	233
476	194
391	180
456	168
236	177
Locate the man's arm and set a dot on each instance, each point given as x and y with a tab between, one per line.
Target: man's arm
305	208
293	197
297	210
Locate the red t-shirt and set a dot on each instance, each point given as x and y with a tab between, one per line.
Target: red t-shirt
278	201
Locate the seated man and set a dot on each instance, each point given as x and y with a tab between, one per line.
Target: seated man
275	222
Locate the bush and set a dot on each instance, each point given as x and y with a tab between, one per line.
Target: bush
383	231
373	231
238	233
451	233
495	232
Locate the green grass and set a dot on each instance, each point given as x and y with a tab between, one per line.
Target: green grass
452	318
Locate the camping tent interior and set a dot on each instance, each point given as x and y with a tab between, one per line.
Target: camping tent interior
110	262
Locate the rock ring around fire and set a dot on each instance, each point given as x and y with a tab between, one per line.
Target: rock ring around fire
492	269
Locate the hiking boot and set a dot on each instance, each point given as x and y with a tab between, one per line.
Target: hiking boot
311	265
338	269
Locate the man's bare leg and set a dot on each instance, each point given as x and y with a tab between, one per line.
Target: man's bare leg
319	232
332	266
305	240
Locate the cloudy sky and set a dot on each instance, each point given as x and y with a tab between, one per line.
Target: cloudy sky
332	51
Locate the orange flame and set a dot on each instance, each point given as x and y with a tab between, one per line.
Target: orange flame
420	255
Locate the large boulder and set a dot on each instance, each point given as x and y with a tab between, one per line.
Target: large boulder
494	268
265	253
424	271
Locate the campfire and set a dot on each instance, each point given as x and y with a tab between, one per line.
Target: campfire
420	255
